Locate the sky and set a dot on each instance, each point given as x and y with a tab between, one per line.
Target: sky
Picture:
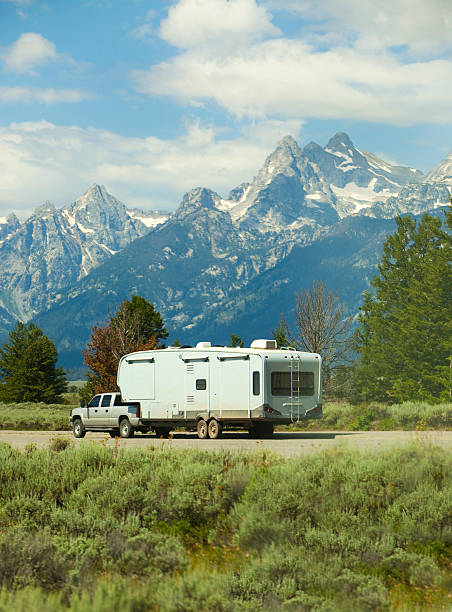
154	98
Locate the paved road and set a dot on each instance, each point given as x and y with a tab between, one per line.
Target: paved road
287	444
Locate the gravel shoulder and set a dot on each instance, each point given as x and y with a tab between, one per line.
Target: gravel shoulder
288	444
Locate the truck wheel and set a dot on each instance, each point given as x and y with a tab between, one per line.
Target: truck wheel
125	429
202	429
78	429
214	429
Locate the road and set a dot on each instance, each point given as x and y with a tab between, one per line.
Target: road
284	443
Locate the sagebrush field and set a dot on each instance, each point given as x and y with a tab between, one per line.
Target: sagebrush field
337	416
97	528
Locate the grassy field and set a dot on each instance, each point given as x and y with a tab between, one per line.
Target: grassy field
337	416
96	528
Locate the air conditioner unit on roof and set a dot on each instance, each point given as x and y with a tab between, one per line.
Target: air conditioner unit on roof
264	344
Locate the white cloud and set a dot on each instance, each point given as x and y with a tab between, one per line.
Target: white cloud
29	51
423	26
29	95
194	23
40	161
288	78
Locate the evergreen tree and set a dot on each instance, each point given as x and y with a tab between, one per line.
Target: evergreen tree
281	332
136	326
236	341
405	337
28	367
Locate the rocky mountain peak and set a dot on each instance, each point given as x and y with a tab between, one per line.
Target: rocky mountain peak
196	199
442	173
340	143
44	209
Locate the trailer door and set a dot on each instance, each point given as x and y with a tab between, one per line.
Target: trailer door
196	388
234	385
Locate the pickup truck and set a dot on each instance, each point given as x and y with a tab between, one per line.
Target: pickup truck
106	412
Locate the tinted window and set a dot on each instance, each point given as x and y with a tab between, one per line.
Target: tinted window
106	400
256	383
94	402
118	400
201	384
293	383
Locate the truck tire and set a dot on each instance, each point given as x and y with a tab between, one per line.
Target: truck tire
214	429
202	429
78	429
126	430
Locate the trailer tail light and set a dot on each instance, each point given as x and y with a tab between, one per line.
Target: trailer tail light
268	408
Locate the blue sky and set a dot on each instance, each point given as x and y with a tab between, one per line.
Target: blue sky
154	98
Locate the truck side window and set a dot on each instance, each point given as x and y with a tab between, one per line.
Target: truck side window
106	400
94	403
256	383
118	400
201	384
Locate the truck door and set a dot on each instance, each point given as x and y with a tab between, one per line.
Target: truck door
196	388
103	411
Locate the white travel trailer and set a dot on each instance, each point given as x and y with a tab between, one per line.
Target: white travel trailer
211	388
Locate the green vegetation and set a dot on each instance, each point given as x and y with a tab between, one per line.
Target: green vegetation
96	528
337	416
28	371
405	337
35	417
381	417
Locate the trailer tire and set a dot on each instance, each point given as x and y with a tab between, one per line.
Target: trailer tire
78	429
202	429
214	429
126	430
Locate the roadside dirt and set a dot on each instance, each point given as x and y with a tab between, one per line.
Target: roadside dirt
284	443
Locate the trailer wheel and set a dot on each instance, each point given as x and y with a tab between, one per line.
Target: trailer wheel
125	429
214	429
202	429
78	429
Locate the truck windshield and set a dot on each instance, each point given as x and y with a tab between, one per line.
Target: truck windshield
292	384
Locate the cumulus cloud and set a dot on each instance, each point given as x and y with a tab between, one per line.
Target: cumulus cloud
40	161
287	78
195	23
29	95
29	51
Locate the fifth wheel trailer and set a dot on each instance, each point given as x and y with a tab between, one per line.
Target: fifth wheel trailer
212	388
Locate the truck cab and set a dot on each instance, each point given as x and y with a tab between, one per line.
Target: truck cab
106	412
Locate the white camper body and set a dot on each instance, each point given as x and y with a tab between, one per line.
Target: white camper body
253	388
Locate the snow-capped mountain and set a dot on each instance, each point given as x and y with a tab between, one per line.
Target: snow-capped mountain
309	213
54	248
442	174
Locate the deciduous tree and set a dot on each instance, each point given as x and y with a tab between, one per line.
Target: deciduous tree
136	326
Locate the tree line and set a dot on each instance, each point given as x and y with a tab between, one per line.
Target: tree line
398	347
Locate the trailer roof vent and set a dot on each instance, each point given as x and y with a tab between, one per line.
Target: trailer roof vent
263	344
203	345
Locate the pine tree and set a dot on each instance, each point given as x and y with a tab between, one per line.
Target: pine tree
405	334
28	367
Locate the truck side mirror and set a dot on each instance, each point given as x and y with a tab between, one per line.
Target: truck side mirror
82	404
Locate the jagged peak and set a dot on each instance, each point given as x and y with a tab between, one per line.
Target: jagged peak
44	208
339	142
288	143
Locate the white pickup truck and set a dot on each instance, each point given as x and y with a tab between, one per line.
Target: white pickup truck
106	412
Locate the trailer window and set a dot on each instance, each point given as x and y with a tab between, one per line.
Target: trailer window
256	383
201	384
106	400
293	383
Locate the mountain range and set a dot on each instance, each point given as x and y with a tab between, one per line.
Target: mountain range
217	265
